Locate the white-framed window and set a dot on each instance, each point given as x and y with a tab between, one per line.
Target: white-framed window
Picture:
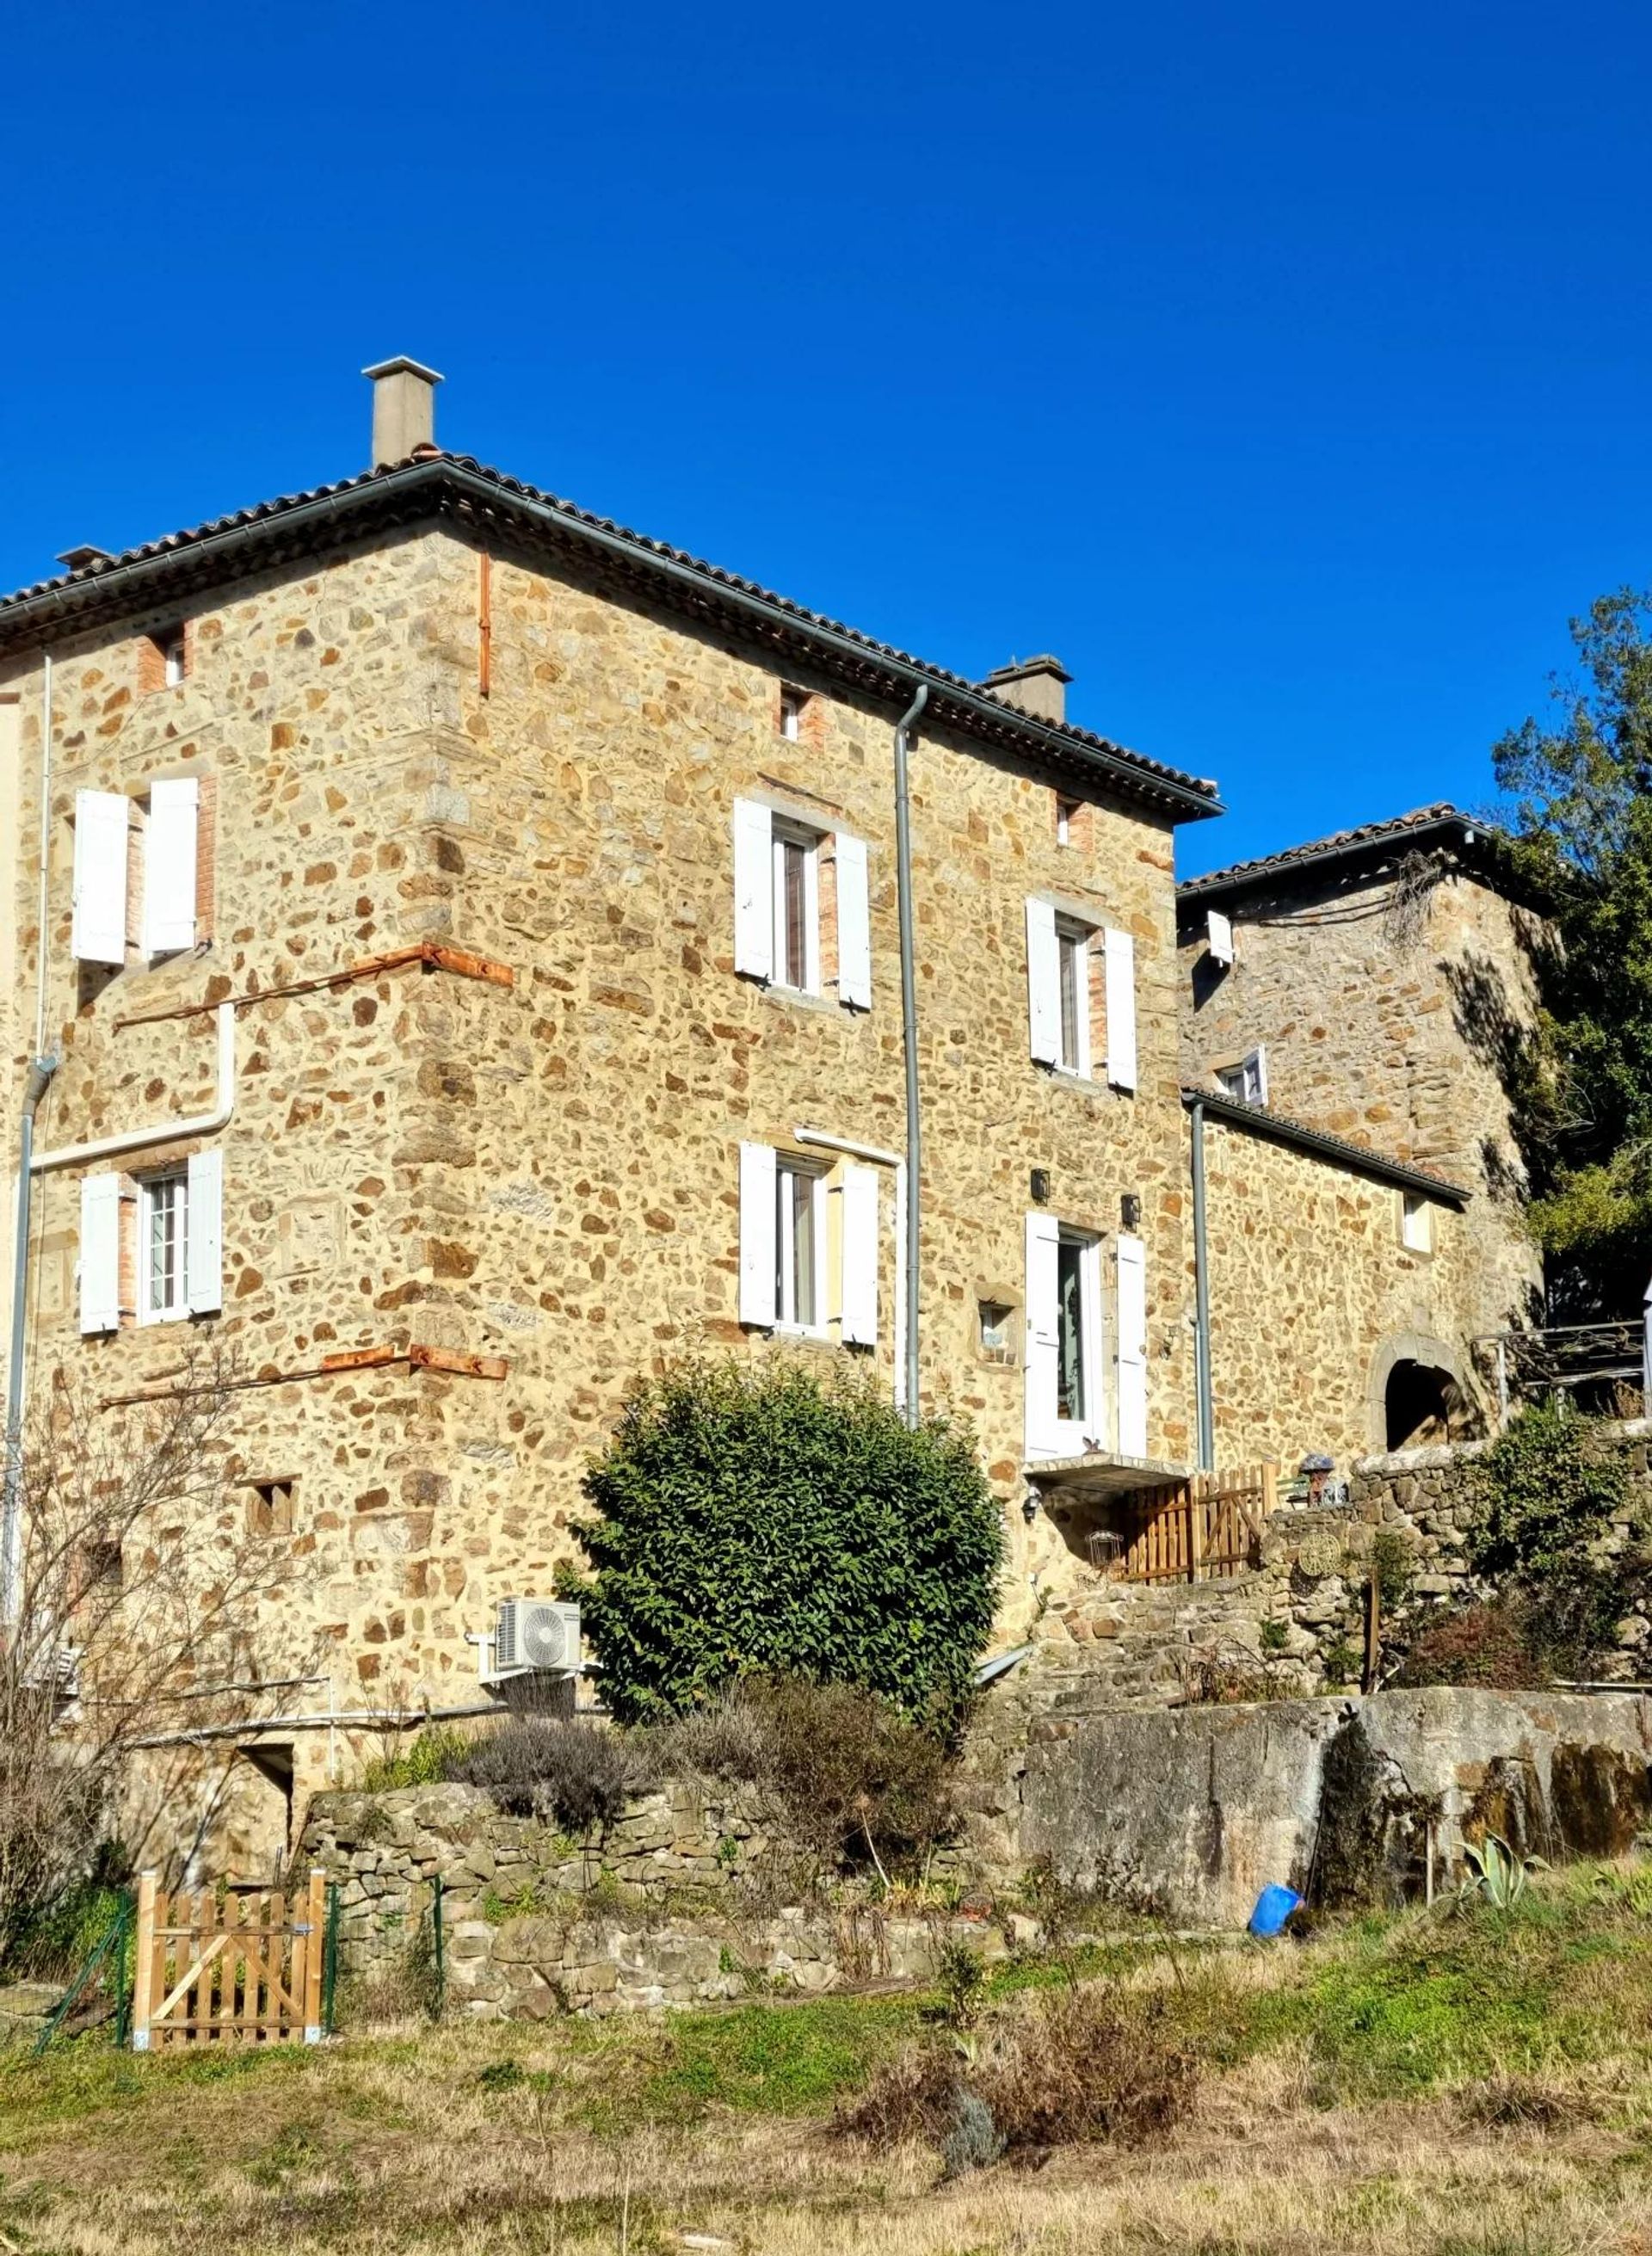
173	661
1075	1340
1246	1080
1073	944
1416	1223
809	1245
787	873
138	871
792	704
1071	965
163	1246
1066	816
800	1246
796	952
152	1247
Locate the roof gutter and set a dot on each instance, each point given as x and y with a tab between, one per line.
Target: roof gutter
975	710
1261	1122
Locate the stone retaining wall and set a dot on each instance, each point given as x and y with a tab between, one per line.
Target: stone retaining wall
681	1902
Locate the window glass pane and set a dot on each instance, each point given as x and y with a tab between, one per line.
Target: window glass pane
803	1237
167	1199
1070	1329
1071	950
792	904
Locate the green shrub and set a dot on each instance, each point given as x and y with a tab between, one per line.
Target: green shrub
1547	1492
763	1520
1341	1662
425	1761
1392	1567
1547	1489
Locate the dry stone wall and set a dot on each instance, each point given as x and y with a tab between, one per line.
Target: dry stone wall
681	1903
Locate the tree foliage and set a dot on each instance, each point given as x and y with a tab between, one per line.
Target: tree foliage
761	1521
1583	835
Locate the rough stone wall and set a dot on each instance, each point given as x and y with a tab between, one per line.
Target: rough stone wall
1311	1293
1397	1043
545	1171
676	1905
1201	1809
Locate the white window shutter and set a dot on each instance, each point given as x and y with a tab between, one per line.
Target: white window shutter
1043	1237
1220	929
1132	1346
101	819
100	1252
1044	982
204	1234
1121	1009
1261	1073
753	890
169	866
854	924
757	1234
860	1257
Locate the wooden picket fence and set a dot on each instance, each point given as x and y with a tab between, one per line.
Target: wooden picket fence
1204	1528
243	1970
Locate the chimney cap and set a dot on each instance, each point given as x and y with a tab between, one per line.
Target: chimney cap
402	366
1019	669
83	558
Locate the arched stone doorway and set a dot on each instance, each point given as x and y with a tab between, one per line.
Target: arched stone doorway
1417	1398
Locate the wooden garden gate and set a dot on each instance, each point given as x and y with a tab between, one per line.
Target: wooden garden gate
235	1966
1206	1527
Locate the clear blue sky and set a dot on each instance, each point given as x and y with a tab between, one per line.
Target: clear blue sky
1288	370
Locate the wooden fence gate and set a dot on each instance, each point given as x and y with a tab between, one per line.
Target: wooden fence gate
1209	1526
245	1969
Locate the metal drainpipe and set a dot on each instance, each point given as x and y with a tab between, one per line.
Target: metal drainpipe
909	1036
41	1072
1202	1303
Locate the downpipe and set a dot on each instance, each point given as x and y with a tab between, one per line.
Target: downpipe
909	1038
1203	1389
41	1072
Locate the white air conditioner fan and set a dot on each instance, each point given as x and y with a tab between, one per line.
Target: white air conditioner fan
535	1633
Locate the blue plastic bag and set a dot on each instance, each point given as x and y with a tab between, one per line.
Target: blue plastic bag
1274	1907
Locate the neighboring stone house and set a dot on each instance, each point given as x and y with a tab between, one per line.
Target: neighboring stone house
1369	990
470	937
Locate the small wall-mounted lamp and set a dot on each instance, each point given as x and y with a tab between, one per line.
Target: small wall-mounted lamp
1040	1182
1130	1210
1029	1506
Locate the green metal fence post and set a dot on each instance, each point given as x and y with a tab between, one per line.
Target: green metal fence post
329	1958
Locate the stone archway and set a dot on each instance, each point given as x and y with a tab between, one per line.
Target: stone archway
1417	1395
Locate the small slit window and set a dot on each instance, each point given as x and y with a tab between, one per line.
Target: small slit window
792	704
270	1506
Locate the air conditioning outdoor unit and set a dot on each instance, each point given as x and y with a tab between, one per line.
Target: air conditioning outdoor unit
534	1634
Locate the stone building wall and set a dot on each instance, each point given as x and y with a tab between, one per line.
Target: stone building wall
1394	1030
543	1172
1313	1295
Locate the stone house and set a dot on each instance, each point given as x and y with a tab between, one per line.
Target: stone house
1351	1012
467	935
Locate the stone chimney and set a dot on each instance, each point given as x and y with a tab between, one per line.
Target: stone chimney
404	409
1038	685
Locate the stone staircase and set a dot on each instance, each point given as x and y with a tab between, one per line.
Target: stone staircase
1121	1644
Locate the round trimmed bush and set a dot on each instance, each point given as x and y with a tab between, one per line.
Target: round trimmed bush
759	1519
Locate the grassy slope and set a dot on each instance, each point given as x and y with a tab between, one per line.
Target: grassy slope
1474	2083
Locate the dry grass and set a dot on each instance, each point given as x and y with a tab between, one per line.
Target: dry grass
1456	2086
